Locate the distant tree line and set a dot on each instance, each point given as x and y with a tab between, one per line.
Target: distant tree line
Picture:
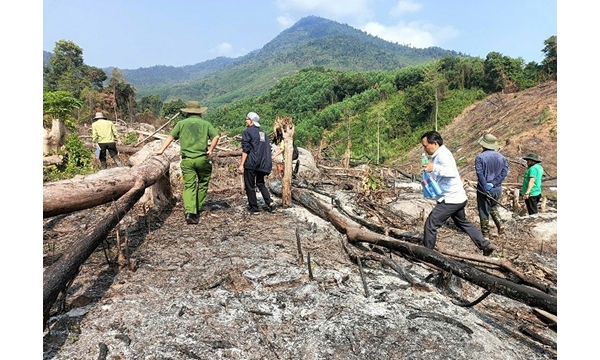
326	105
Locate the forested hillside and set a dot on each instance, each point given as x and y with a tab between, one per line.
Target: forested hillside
372	114
312	41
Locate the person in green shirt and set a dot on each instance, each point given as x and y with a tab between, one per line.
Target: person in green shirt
194	134
105	135
532	183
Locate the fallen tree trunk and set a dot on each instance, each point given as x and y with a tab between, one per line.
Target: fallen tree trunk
53	160
59	274
83	193
356	233
122	149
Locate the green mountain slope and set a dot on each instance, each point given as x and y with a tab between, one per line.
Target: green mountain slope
312	41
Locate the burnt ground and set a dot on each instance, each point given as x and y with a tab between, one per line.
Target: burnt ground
232	287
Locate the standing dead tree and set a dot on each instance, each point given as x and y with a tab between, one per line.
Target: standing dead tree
54	138
284	129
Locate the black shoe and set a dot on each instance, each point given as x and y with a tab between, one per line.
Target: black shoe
271	207
191	218
489	249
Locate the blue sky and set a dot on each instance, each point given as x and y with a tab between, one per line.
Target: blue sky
137	33
131	34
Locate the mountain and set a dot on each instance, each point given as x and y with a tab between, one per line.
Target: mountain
312	41
162	74
47	56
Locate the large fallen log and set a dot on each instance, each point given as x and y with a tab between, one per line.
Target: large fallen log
66	196
122	149
59	274
356	233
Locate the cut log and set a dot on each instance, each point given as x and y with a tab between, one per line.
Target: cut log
157	130
546	316
83	193
356	233
59	274
122	149
53	160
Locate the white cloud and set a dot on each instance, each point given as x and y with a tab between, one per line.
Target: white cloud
285	21
413	34
223	49
405	6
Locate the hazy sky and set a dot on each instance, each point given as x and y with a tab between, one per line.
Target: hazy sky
130	34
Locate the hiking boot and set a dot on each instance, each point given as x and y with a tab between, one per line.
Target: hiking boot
485	227
191	218
489	249
271	207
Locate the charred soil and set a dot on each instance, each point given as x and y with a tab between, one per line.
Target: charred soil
239	285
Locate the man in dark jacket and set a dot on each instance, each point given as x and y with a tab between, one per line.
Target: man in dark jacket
256	162
491	168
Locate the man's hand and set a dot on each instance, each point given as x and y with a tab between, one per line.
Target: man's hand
241	169
489	186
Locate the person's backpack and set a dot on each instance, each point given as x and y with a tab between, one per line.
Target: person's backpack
295	153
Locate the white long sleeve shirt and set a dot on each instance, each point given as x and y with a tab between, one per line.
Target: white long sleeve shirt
446	174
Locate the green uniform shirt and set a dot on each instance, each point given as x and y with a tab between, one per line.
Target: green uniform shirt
193	134
104	131
535	171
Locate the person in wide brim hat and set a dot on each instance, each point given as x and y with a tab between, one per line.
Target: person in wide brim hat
531	189
533	157
99	115
488	141
193	107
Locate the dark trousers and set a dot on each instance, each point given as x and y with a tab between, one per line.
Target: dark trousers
253	179
532	204
442	212
112	150
487	204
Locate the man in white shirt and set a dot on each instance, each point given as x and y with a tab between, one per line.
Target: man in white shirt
453	199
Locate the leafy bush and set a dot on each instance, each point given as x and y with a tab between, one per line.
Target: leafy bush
131	138
78	160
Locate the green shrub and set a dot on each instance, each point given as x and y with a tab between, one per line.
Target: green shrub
131	138
77	160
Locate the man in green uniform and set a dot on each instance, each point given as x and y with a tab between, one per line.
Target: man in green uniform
194	133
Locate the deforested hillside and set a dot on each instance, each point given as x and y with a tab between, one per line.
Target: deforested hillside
523	122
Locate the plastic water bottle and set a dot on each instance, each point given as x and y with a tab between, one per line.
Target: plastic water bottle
424	159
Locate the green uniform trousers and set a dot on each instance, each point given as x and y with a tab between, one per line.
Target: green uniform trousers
196	175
